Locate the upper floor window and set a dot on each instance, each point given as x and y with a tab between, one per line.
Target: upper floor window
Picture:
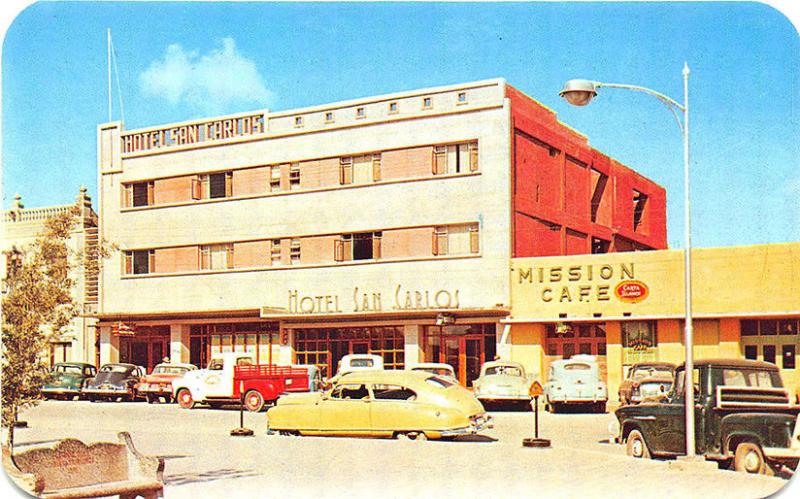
213	186
216	256
139	194
427	103
294	176
361	112
462	98
358	246
455	158
639	206
456	239
275	252
393	107
274	178
294	252
329	117
345	170
298	121
139	262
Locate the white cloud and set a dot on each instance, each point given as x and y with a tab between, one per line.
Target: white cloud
214	83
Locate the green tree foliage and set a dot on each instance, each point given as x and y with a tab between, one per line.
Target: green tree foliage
37	307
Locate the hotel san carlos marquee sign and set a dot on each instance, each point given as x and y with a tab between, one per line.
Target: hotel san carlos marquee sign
584	283
360	300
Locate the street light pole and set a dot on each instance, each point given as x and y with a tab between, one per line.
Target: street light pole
580	93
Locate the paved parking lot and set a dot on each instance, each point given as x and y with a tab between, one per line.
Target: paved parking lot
202	460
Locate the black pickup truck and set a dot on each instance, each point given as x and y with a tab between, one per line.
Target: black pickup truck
743	415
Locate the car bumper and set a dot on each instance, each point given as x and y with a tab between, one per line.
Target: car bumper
491	397
478	426
104	392
61	391
577	400
782	452
163	392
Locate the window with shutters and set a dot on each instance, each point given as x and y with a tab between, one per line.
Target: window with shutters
213	186
455	158
456	239
358	246
275	178
346	170
138	194
139	262
275	252
294	252
216	256
294	176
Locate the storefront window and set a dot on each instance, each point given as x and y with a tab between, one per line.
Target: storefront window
325	347
464	346
771	340
565	340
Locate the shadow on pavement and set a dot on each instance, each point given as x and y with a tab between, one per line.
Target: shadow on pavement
208	476
474	438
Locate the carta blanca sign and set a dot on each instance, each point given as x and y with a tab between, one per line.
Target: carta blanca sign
584	283
365	300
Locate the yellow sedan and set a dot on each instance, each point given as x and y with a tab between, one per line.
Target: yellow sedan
401	404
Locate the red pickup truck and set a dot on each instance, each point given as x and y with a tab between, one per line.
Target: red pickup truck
233	373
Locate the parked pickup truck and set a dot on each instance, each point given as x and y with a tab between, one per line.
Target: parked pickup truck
233	373
743	416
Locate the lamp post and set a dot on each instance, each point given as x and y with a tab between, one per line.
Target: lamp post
580	93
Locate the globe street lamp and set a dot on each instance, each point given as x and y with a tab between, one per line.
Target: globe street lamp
580	93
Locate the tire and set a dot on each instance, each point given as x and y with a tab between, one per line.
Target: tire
253	401
636	446
185	399
749	458
553	408
150	399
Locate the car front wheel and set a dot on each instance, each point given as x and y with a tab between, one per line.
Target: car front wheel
636	446
185	399
750	459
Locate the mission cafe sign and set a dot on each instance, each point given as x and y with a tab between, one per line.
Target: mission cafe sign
584	283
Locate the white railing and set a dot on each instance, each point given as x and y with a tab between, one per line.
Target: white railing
36	214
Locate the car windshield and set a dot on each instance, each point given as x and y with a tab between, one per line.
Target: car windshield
506	370
170	370
651	372
577	367
751	377
362	363
68	369
114	369
215	365
439	382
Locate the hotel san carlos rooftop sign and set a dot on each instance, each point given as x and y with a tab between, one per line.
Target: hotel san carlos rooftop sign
193	133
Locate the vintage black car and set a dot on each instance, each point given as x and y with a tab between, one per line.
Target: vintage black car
66	380
743	416
114	382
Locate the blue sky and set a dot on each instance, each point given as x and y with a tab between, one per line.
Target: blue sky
180	61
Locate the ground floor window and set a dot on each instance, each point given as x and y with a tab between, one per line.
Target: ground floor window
771	340
465	347
255	338
325	347
566	340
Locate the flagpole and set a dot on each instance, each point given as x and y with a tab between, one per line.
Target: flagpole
108	53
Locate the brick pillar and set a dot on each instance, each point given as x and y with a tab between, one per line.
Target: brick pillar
412	350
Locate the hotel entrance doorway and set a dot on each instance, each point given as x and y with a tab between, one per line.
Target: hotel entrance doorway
465	348
146	347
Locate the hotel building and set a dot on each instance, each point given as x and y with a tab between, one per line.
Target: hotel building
380	225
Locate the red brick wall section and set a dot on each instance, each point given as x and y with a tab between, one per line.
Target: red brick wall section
554	184
182	259
251	181
400	243
406	163
251	254
173	190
